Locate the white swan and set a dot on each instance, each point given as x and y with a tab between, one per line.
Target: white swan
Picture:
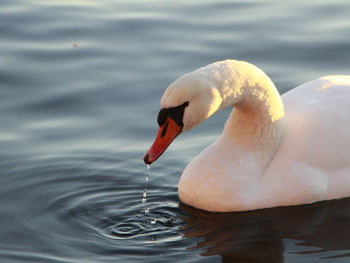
271	153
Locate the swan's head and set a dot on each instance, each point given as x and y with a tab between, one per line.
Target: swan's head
189	100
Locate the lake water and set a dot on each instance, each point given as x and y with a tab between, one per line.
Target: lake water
80	84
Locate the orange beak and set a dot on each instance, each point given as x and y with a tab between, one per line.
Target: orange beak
166	134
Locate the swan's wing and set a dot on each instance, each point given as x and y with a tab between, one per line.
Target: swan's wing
314	155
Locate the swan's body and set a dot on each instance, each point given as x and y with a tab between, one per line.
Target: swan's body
272	152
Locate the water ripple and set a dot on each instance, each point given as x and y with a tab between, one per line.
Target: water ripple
103	202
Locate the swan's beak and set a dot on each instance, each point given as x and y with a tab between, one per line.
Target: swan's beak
166	134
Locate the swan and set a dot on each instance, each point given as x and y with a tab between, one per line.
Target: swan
274	150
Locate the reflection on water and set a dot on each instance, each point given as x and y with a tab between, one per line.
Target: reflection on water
272	235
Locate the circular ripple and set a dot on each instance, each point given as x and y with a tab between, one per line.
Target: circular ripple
126	229
156	221
109	205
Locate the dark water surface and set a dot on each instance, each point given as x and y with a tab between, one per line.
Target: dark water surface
80	83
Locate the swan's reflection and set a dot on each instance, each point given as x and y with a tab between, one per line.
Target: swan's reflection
260	236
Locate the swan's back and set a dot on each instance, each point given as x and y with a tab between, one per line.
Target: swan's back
314	154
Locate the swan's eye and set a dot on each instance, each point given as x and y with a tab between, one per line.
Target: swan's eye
186	104
175	113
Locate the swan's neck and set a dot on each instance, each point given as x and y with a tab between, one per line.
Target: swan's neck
255	122
230	169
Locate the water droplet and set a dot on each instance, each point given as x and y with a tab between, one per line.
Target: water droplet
144	195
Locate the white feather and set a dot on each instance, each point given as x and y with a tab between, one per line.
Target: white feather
272	152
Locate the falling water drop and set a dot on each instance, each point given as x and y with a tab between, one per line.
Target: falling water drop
144	196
